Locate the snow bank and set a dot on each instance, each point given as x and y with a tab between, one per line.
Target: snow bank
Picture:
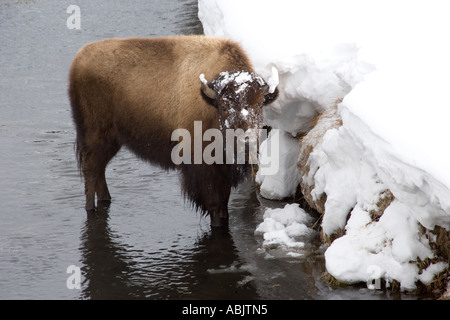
358	171
379	173
284	183
316	66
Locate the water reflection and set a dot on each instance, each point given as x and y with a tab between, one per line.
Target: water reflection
114	270
105	261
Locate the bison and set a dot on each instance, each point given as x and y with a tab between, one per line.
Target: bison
135	92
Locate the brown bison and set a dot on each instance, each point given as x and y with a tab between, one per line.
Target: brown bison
136	92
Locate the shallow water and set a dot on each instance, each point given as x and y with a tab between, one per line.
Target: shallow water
148	243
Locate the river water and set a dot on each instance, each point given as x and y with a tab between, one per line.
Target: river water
149	243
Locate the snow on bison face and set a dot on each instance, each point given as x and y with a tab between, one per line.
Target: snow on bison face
239	97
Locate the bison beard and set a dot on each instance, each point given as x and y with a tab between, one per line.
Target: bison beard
209	187
136	92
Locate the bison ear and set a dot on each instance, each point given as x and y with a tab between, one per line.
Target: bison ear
271	97
209	92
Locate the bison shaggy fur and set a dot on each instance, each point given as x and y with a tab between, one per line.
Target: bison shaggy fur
135	92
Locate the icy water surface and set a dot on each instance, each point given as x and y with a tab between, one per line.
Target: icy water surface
148	243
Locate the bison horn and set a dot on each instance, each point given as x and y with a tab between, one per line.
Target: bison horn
273	81
210	93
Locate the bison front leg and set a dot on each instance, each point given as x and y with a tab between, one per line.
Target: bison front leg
218	212
219	218
208	188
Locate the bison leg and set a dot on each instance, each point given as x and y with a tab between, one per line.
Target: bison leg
219	217
218	207
101	188
95	157
208	188
90	180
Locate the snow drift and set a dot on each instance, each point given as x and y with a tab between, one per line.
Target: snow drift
363	118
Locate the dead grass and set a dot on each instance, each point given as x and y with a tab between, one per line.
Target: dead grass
332	281
385	199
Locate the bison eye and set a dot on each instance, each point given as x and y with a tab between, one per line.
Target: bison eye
224	109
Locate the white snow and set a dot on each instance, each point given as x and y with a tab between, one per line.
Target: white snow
280	182
427	275
285	227
240	78
389	244
389	63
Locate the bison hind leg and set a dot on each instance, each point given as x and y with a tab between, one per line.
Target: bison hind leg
101	188
94	157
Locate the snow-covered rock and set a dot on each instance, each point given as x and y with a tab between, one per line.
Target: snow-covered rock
285	227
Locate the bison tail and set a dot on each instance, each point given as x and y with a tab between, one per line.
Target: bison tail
77	150
78	121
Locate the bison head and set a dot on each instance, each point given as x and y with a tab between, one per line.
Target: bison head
239	97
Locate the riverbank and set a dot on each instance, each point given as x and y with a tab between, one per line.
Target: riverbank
371	155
